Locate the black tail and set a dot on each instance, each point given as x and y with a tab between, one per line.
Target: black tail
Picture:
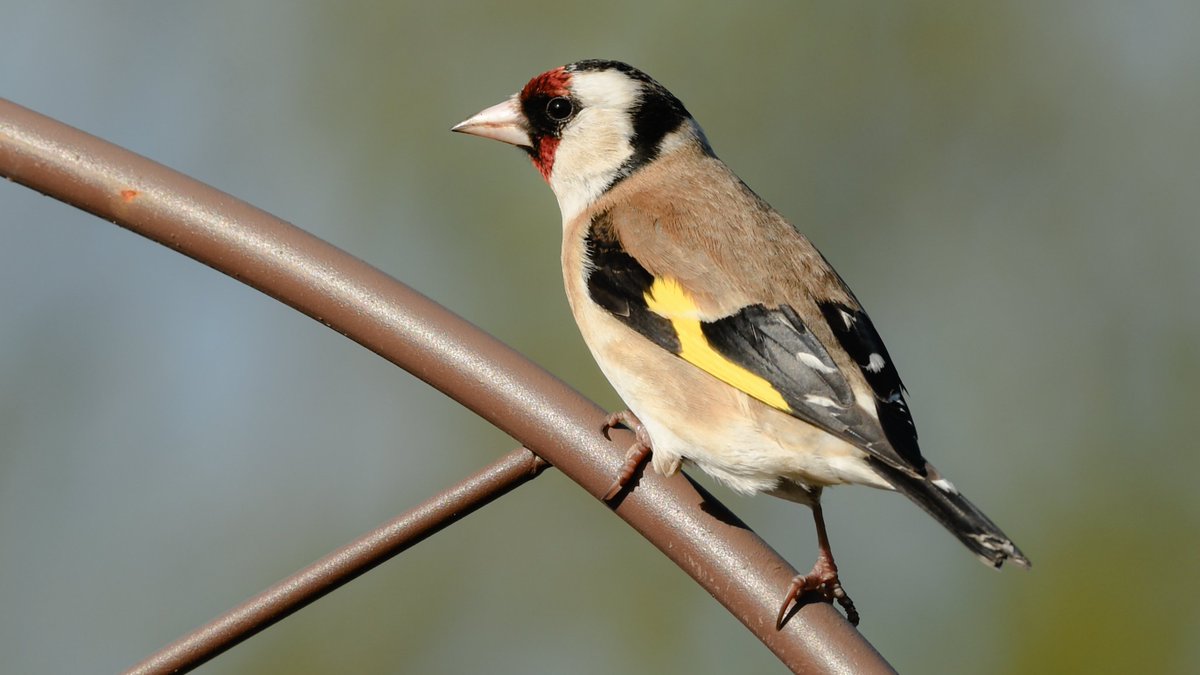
942	500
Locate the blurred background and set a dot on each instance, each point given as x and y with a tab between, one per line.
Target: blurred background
1011	190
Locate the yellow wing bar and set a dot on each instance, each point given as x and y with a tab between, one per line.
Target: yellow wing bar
668	299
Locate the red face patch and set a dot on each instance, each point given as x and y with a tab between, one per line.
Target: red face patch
544	159
534	97
550	84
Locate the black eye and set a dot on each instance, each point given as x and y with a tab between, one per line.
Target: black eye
559	108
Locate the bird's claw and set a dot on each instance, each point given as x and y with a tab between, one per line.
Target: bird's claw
635	456
822	580
627	419
840	596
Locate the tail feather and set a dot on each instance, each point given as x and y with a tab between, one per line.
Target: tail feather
940	499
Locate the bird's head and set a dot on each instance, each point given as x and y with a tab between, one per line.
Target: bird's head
588	125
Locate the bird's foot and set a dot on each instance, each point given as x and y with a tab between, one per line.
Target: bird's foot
637	453
823	580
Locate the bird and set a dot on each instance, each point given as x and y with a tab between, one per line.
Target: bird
735	345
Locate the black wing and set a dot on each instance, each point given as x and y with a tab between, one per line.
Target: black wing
776	345
857	335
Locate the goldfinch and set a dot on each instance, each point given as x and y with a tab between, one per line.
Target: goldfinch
736	346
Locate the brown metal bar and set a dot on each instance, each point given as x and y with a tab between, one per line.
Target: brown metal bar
387	317
345	564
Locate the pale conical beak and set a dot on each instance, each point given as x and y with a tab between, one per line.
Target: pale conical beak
503	122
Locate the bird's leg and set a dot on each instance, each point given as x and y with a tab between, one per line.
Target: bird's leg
823	578
637	454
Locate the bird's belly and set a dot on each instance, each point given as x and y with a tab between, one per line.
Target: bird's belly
692	416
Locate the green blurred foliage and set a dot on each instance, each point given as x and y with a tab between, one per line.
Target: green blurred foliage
1010	188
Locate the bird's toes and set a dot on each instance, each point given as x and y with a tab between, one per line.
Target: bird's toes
634	458
824	582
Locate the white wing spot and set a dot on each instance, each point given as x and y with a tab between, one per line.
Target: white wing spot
994	543
866	401
823	401
847	318
814	362
945	486
875	363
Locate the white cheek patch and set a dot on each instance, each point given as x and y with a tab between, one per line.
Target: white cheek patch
593	148
597	142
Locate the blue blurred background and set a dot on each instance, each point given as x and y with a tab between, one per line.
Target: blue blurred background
1012	190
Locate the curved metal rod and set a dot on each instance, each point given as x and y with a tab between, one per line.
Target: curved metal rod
344	565
689	526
